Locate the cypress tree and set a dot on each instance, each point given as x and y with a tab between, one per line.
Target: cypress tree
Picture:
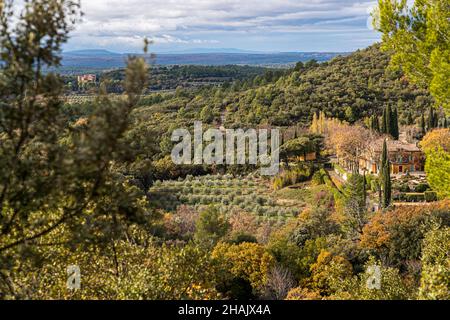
383	122
385	177
430	118
386	185
394	119
409	118
423	130
389	126
364	189
384	156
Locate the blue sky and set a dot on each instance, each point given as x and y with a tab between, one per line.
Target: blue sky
256	25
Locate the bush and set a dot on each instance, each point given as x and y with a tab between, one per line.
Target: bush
422	187
430	196
318	178
242	237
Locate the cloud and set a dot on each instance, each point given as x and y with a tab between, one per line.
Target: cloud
124	24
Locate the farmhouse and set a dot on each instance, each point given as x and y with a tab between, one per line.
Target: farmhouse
86	78
404	157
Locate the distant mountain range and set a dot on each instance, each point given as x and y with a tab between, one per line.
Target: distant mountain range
103	59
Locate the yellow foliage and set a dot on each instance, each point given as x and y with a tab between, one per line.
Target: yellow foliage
250	261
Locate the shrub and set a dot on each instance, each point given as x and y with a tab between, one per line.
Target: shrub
430	196
421	187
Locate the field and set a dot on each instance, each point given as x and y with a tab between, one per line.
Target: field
251	194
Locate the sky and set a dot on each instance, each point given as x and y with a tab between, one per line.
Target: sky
253	25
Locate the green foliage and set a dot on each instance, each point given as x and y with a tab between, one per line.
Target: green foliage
418	36
211	226
435	279
392	285
355	203
437	167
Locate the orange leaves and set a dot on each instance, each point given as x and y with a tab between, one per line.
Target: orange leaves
384	226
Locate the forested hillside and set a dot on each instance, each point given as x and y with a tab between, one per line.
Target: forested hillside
349	88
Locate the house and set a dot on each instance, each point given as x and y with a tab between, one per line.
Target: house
404	157
86	78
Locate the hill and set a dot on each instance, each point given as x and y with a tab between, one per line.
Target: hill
104	60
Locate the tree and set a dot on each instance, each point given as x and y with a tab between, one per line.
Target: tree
386	185
419	36
437	167
389	125
385	173
435	276
249	261
395	131
431	119
206	115
435	139
396	236
60	178
423	129
355	203
328	271
384	121
58	170
436	146
211	226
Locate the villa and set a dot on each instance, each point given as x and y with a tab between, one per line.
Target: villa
404	157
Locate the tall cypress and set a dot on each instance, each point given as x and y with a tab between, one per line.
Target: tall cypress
384	156
383	122
423	130
386	185
430	118
389	126
435	120
394	119
385	177
364	190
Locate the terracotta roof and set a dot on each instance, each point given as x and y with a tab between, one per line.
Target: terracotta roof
394	146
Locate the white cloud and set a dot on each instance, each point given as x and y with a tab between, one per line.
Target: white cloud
120	23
